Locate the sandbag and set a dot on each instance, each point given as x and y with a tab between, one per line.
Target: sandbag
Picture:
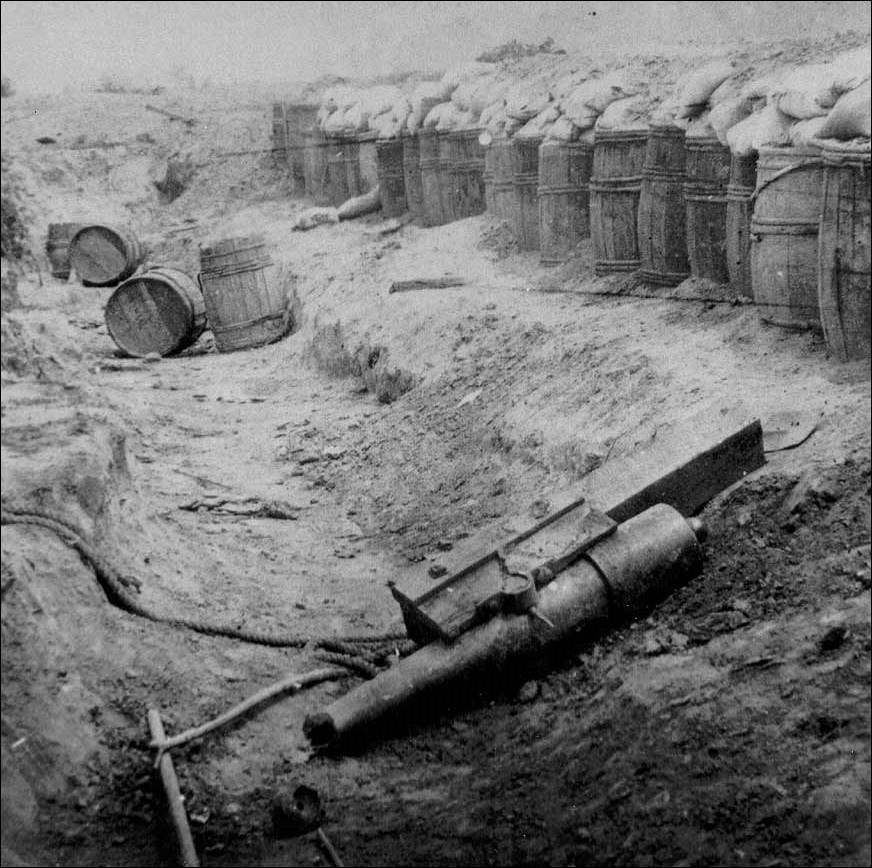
524	101
434	116
700	85
727	114
700	127
340	97
360	205
356	120
590	99
805	133
769	126
807	92
335	124
851	116
624	114
321	117
563	130
537	127
312	217
449	119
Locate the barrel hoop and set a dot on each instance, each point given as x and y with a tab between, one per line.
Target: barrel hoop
223	330
664	278
837	158
621	136
603	187
656	174
705	198
561	188
701	145
740	190
783	227
237	268
619	264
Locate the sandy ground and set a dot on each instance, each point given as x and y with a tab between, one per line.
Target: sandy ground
729	727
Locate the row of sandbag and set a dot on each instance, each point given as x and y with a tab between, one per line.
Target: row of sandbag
722	99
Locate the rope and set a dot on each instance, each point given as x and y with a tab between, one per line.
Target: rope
116	589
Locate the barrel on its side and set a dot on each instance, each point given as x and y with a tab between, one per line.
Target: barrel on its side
661	218
505	159
526	211
315	166
299	120
784	236
431	187
564	198
845	276
367	158
391	177
57	247
105	255
412	176
705	195
447	170
159	311
245	302
618	160
743	177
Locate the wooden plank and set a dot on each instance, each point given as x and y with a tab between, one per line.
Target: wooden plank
684	467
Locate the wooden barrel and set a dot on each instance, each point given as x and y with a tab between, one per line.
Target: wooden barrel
245	303
367	157
412	176
618	160
351	157
526	182
159	311
505	161
471	158
705	196
337	177
743	178
784	236
661	219
57	247
105	255
488	177
300	118
844	270
447	170
279	130
431	187
564	198
315	166
391	177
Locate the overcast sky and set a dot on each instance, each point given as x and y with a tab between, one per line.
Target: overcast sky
48	45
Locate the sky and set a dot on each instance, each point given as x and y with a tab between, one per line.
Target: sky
47	46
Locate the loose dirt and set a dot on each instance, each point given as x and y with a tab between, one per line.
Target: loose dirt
729	727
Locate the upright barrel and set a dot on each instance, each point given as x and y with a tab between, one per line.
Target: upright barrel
245	302
447	170
505	159
337	176
740	190
488	178
412	176
351	158
618	161
367	157
471	158
845	277
57	247
431	187
391	177
159	311
564	198
661	218
784	236
105	255
299	120
315	166
526	216
705	196
279	129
